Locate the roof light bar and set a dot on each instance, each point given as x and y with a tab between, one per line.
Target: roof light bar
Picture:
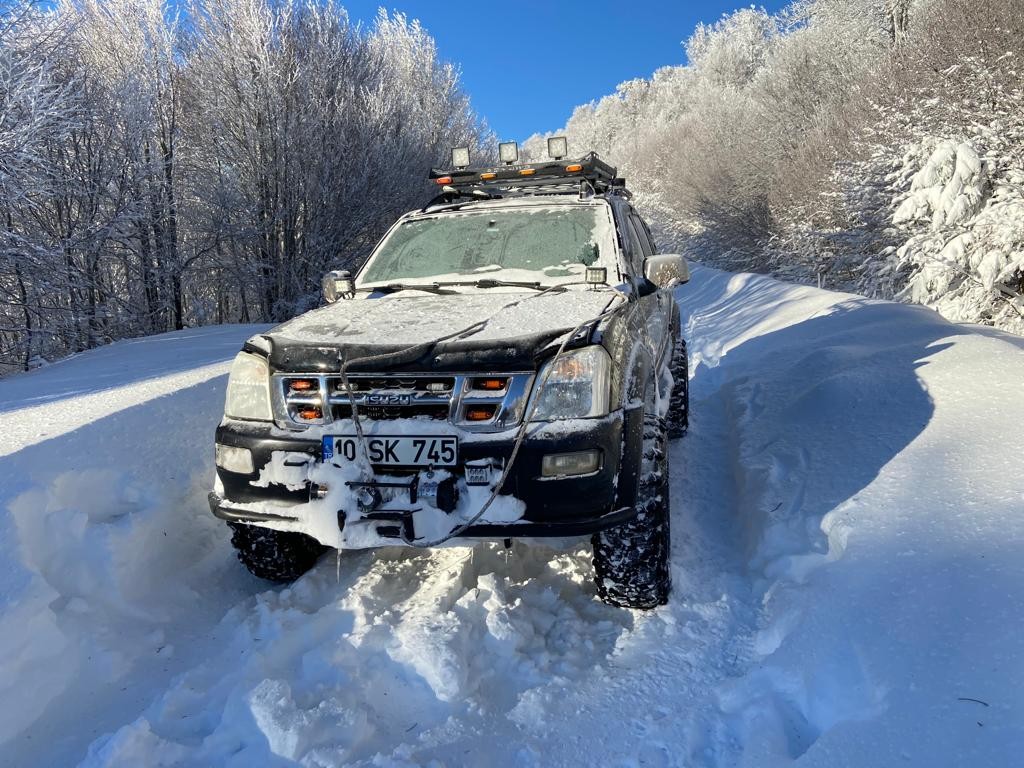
589	171
558	147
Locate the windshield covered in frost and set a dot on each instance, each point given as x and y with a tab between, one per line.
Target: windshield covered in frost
539	244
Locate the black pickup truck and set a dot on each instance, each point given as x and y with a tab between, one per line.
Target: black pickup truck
507	363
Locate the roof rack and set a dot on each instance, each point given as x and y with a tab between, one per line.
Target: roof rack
588	174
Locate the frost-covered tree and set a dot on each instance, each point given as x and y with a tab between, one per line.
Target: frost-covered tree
306	132
790	143
163	165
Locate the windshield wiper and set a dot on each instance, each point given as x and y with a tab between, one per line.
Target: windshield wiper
396	287
488	282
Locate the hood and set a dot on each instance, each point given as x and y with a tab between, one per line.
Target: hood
489	329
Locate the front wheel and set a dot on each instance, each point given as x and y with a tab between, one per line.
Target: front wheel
631	560
280	556
679	403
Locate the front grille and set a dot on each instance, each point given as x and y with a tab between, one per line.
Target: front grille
387	413
432	384
479	402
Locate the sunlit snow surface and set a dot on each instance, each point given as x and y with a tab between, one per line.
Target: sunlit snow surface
848	526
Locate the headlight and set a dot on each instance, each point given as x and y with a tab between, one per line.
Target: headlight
248	389
577	387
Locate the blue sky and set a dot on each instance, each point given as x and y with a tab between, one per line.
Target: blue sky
527	64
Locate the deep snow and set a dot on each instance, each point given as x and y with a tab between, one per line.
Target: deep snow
848	525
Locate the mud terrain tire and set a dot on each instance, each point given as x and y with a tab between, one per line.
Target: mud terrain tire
280	556
631	561
679	403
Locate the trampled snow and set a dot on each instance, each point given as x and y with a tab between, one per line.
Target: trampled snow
848	523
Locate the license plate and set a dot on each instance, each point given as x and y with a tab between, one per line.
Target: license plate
404	451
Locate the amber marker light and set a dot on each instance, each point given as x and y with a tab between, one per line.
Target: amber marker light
310	414
479	414
444	180
574	168
301	385
527	171
488	176
491	385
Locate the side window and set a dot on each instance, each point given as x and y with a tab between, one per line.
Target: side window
650	237
642	235
631	242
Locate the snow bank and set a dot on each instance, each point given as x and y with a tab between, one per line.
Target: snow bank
881	523
107	549
849	591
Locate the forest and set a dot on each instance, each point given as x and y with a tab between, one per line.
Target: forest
873	146
162	170
167	168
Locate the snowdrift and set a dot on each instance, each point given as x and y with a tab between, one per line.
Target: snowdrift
849	589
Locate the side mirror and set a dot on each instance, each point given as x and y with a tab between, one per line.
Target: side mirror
338	284
666	269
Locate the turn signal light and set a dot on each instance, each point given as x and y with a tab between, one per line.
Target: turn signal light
444	180
574	168
310	414
479	414
301	385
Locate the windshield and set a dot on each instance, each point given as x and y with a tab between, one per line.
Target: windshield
545	245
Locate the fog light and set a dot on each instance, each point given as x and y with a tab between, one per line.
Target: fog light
566	464
235	459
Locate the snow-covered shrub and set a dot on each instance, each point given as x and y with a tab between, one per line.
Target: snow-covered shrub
965	250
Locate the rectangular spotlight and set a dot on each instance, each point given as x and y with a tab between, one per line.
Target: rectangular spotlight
460	157
558	147
508	152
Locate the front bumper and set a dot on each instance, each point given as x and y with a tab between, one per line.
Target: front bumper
555	507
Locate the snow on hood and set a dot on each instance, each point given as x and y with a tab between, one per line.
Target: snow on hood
416	317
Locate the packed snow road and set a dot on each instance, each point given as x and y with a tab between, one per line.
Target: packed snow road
848	526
